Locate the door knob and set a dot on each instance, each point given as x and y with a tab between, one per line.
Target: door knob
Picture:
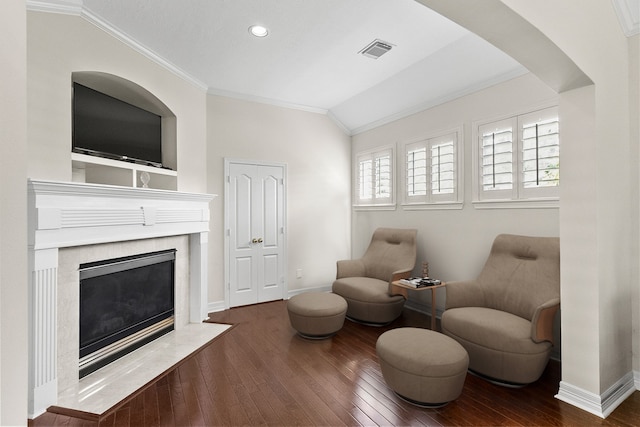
254	240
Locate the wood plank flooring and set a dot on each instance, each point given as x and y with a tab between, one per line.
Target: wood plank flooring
262	373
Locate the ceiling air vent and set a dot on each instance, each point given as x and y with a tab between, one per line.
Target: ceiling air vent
376	49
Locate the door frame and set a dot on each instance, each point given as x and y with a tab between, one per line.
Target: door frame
228	161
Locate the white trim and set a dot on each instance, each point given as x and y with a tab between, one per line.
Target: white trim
66	7
268	101
510	75
338	123
139	47
216	306
420	307
628	12
432	206
550	203
78	9
295	292
381	207
65	214
601	405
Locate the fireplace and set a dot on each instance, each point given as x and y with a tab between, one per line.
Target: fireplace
125	303
72	224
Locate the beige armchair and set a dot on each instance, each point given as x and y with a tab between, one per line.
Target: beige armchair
504	318
365	283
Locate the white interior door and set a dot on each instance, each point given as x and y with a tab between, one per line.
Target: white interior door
255	230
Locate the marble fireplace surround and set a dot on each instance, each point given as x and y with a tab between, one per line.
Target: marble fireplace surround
69	222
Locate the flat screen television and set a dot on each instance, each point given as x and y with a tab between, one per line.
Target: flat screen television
108	127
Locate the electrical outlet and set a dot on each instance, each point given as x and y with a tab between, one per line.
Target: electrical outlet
299	273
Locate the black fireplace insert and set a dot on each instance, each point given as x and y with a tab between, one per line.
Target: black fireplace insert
125	303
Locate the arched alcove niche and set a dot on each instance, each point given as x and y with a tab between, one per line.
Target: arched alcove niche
597	250
119	173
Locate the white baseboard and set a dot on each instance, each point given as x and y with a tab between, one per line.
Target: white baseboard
216	306
422	308
303	290
601	405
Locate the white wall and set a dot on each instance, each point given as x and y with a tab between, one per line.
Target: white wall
457	242
61	44
317	155
13	215
634	90
602	52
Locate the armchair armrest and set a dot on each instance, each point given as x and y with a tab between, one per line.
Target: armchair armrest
464	294
542	322
350	268
395	276
400	274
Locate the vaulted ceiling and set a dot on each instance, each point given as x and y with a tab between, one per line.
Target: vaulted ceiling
311	57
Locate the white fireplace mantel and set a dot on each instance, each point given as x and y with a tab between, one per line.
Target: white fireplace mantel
64	214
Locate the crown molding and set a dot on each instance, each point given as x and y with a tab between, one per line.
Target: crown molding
515	73
67	7
339	123
262	100
628	12
75	7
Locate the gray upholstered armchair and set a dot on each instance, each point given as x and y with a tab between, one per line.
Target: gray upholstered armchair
504	318
364	283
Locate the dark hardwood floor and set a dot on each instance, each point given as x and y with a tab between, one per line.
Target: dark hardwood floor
262	373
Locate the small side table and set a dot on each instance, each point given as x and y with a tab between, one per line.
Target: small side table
398	288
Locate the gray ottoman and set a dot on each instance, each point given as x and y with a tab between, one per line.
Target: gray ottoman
317	314
421	366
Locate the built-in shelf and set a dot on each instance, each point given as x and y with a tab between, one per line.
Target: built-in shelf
98	170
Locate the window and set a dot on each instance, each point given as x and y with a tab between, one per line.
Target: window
518	158
375	178
431	170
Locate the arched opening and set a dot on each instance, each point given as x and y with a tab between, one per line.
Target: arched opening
134	94
598	251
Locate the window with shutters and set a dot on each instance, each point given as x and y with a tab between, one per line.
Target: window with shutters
374	181
518	158
432	171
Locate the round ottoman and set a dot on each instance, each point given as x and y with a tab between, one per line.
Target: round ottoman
421	366
317	314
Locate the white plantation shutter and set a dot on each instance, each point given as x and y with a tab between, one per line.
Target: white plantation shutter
497	160
417	171
375	177
519	157
382	176
497	155
443	168
431	170
366	179
540	152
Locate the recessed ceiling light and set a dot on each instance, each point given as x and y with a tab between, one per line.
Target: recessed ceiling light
259	31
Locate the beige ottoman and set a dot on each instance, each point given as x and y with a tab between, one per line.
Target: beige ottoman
317	314
421	366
